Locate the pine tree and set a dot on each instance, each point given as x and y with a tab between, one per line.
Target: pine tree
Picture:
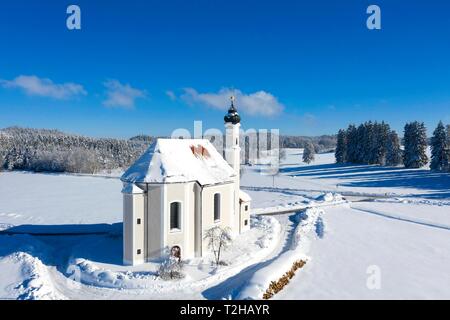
448	134
382	131
371	143
415	137
447	131
341	148
362	143
352	142
439	149
308	153
393	150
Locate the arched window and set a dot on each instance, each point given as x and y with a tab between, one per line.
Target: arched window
216	206
175	216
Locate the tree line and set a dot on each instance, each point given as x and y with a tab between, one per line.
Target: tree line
324	143
54	151
375	143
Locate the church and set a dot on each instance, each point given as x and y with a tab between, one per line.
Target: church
178	189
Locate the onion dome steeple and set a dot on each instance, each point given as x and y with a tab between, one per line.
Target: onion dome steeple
232	116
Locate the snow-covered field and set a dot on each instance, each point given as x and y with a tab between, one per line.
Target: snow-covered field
387	237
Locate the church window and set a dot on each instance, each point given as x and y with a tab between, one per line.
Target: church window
175	216
216	206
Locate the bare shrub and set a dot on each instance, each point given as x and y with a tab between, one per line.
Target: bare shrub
219	239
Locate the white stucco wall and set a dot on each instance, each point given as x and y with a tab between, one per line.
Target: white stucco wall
154	221
184	237
133	233
228	215
154	237
244	220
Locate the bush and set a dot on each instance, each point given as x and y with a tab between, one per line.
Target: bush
171	269
219	239
277	286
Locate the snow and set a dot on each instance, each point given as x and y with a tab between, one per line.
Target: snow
323	200
343	220
298	248
438	216
245	197
131	188
324	175
89	266
413	260
56	199
30	276
11	275
180	160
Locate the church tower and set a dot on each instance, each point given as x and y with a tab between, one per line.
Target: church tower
232	128
232	156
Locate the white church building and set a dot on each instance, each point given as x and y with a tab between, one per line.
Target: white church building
178	189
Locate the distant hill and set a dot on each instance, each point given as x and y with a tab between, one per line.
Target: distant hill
321	144
56	151
325	143
44	150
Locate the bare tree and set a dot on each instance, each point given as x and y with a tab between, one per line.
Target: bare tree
219	239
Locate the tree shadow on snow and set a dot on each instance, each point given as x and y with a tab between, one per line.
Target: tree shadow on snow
434	184
55	245
65	230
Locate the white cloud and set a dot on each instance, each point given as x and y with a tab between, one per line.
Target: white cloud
258	103
121	95
172	96
35	86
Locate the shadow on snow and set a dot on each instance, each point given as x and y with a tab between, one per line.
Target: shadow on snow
55	245
233	285
437	184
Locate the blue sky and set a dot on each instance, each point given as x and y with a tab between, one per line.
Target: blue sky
305	67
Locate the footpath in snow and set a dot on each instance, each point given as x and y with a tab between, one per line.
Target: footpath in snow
308	225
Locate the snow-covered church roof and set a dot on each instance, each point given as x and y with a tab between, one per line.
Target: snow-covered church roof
244	196
180	160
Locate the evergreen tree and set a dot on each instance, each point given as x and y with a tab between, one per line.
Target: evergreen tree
352	143
381	137
366	144
341	148
439	149
362	143
308	153
448	146
415	138
370	143
393	150
448	134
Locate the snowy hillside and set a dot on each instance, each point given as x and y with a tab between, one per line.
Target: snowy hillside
62	237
